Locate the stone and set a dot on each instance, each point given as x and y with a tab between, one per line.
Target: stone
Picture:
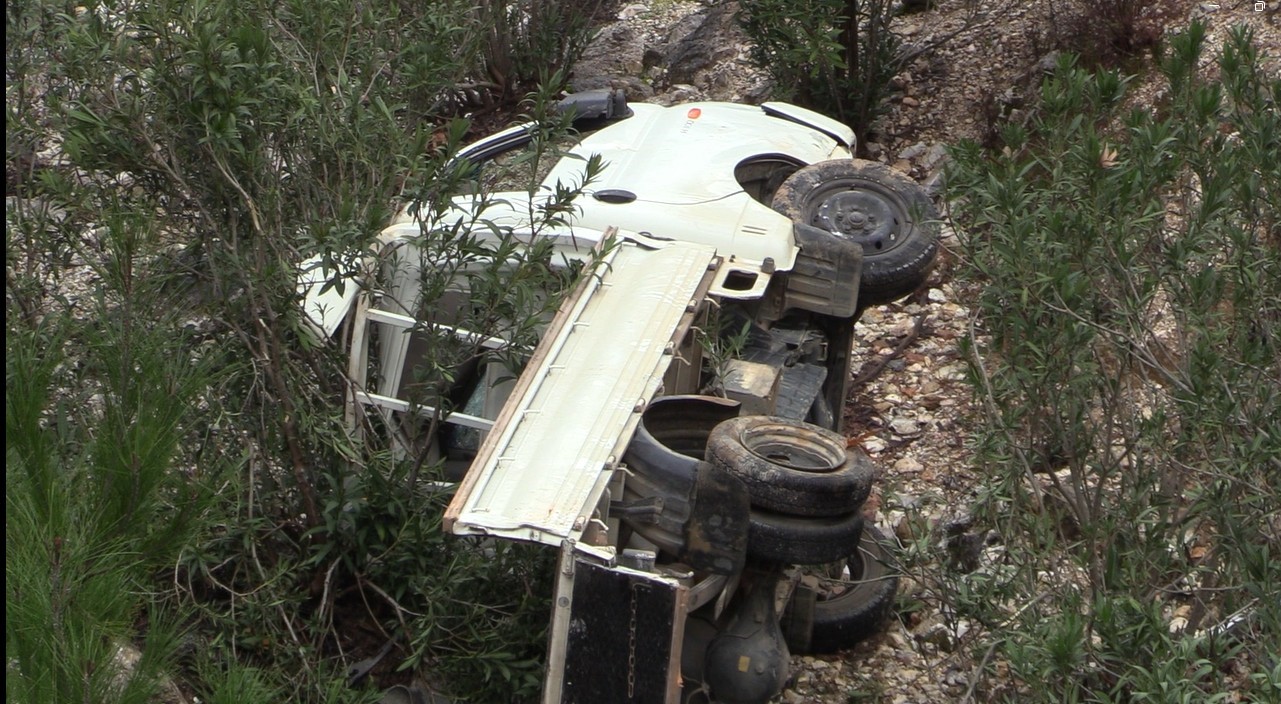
703	41
617	51
911	527
1048	63
913	151
907	501
935	155
635	89
934	184
907	465
631	11
952	372
905	427
909	674
897	640
681	93
956	522
907	586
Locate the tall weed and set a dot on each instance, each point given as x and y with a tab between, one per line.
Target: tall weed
102	493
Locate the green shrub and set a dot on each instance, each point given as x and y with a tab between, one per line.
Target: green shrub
834	56
1128	357
102	493
529	40
208	148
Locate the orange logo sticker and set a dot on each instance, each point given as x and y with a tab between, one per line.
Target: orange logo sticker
693	113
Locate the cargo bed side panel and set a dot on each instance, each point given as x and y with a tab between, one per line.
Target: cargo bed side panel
544	466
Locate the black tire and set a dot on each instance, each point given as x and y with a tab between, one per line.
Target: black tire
843	619
793	540
792	467
881	209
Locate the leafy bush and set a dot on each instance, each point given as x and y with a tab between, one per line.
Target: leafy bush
201	151
834	56
530	40
1128	356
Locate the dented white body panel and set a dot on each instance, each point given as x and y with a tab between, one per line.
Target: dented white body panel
670	174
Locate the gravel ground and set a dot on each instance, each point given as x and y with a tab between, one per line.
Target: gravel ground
911	408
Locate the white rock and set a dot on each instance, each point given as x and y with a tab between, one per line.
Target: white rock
905	426
913	151
630	11
905	500
952	372
935	155
907	465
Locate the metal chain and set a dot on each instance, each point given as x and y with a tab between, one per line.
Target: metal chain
631	646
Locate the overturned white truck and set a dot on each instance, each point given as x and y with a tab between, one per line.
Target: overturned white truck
703	538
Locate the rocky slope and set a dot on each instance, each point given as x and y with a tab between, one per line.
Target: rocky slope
910	407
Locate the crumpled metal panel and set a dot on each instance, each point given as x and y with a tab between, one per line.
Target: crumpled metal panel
544	467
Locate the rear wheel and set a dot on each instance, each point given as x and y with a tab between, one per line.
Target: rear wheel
853	598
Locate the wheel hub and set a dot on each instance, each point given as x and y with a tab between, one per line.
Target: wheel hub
864	216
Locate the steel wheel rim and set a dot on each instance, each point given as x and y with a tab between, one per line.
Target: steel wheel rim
863	212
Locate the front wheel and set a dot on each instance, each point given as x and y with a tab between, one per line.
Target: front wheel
887	213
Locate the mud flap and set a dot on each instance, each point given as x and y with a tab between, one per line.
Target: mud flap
688	508
825	278
616	635
716	533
